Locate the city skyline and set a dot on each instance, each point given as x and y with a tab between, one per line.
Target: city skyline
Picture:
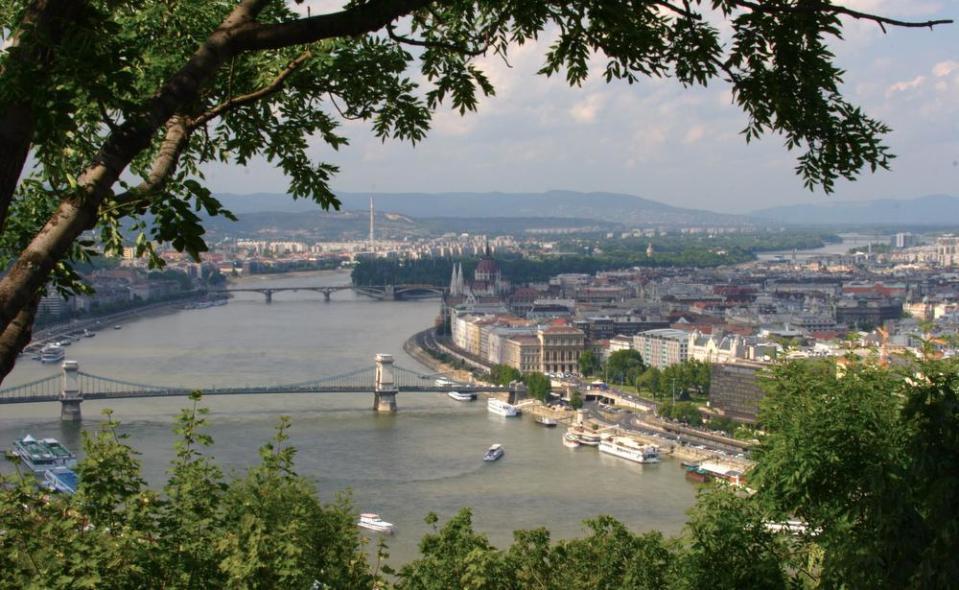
657	140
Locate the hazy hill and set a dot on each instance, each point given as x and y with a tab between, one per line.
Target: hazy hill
610	207
937	210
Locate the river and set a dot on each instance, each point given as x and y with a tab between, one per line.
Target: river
427	457
849	241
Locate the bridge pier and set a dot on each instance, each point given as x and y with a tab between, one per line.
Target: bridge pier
70	395
268	294
326	295
384	389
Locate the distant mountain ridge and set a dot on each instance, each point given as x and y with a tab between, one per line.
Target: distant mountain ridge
610	207
932	210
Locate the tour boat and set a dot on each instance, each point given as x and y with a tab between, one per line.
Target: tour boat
373	522
52	353
502	408
441	382
40	455
627	448
708	471
88	333
570	440
462	397
585	437
494	453
60	479
547	422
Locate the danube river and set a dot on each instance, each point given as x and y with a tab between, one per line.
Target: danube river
427	457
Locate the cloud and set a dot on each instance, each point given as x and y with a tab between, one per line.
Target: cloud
585	111
694	134
904	86
944	68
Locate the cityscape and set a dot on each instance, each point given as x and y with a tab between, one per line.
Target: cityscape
420	295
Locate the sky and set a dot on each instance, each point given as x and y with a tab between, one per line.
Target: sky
657	140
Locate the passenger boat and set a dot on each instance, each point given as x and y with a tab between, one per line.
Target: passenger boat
708	471
627	448
88	333
60	479
441	382
40	455
52	353
502	408
373	522
118	327
586	437
494	453
547	422
570	440
462	397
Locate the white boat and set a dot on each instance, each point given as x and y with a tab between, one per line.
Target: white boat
442	382
570	440
501	408
547	422
462	397
373	522
585	437
52	353
494	453
627	448
40	455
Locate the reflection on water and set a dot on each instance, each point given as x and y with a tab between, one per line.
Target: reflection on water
427	457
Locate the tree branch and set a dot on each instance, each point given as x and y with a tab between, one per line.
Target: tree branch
391	31
32	49
835	9
163	165
237	101
357	20
17	335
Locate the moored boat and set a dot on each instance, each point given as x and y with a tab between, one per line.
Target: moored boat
501	408
60	479
708	471
52	353
586	437
373	522
627	448
570	440
494	453
41	455
547	422
462	397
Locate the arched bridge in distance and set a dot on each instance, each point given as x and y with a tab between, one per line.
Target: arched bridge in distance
381	292
383	380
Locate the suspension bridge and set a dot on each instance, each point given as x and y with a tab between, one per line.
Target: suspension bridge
384	380
381	292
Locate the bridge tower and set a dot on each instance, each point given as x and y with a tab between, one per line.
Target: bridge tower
384	390
70	394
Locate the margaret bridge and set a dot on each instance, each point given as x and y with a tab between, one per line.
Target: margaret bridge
381	292
384	381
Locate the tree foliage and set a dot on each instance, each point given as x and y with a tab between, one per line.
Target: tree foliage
867	458
624	366
588	363
538	385
110	111
504	374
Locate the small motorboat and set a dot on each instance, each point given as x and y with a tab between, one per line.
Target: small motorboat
373	522
494	453
570	440
547	422
462	397
118	327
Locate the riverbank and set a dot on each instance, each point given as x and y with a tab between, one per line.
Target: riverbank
56	332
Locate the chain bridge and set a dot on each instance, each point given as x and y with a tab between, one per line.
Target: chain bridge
384	380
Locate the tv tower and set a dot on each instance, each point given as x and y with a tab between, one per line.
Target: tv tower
372	217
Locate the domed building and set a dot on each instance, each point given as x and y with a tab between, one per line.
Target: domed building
488	278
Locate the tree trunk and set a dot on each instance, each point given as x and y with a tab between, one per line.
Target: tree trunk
17	336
